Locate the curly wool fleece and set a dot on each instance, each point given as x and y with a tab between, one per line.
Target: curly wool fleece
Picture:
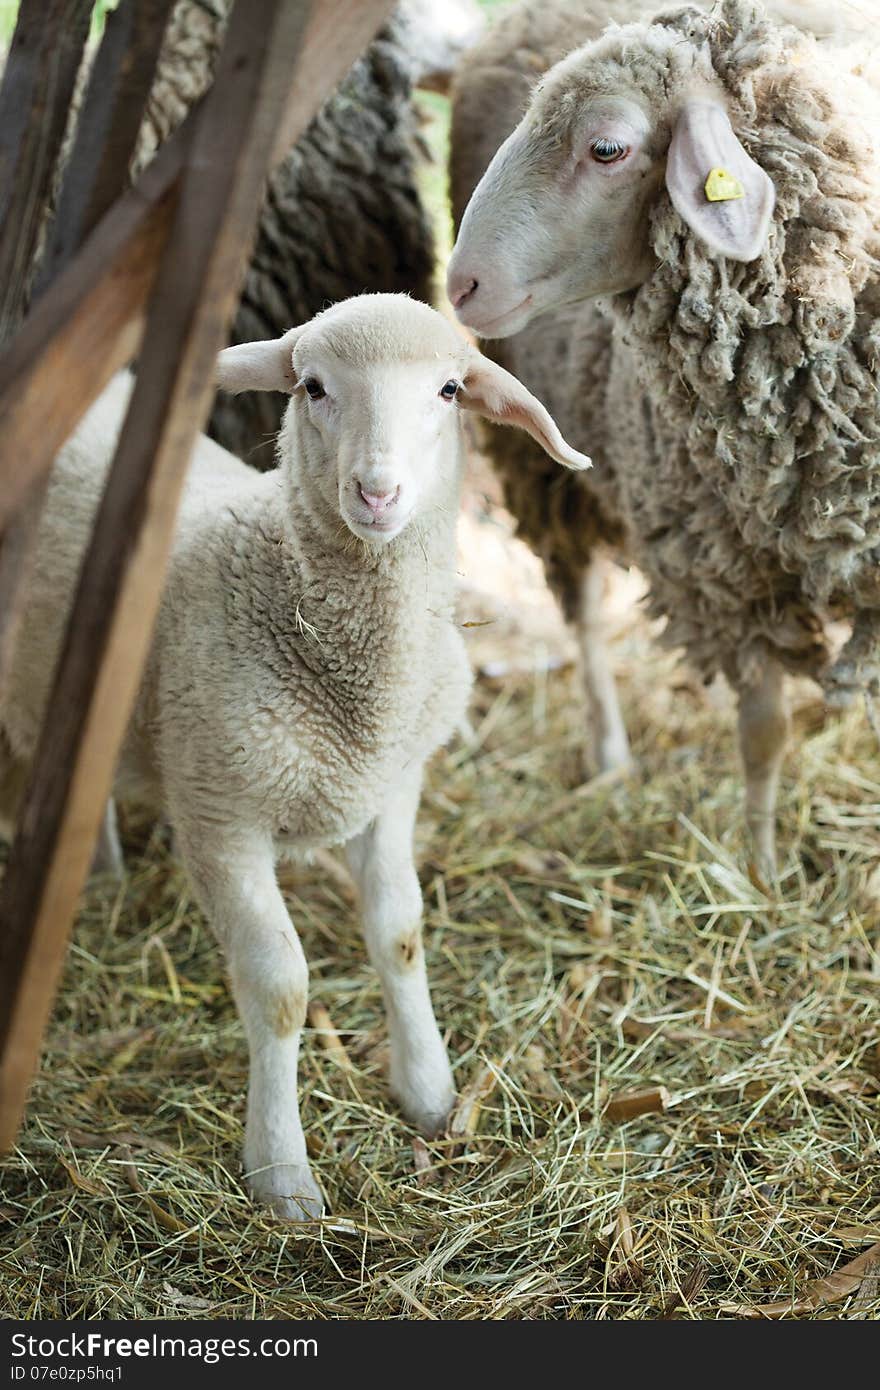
763	378
744	480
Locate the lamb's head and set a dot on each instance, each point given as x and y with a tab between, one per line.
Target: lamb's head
373	425
564	211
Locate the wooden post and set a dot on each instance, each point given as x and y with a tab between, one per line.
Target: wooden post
38	81
266	51
96	173
85	327
44	56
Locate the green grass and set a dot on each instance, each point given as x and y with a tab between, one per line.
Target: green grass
9	13
434	112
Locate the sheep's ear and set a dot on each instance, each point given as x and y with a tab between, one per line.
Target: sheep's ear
496	394
264	366
722	194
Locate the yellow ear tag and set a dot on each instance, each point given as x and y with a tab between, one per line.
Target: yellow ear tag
721	187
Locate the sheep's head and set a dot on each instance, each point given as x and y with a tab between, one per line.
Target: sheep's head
376	382
563	213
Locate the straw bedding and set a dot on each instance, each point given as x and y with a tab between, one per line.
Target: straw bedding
583	942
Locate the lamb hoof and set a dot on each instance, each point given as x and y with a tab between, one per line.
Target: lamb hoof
614	760
290	1190
611	753
110	865
107	858
426	1105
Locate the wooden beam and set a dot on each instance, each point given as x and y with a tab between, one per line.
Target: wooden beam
38	81
85	327
97	172
119	590
338	35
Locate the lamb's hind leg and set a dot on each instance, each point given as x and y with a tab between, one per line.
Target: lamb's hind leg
13	780
234	876
764	725
609	745
107	858
381	860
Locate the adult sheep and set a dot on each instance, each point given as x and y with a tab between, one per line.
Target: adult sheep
728	380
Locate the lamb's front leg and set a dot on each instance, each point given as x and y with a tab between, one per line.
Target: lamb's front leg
381	860
234	877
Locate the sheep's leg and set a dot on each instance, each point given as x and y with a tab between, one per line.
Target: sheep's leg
234	877
381	860
107	858
609	745
764	725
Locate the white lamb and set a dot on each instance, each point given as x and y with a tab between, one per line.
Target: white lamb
305	665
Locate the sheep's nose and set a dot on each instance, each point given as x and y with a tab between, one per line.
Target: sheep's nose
461	288
379	502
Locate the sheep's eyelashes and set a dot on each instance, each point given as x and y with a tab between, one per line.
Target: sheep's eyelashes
314	389
450	390
606	151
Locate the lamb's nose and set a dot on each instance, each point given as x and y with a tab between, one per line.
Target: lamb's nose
461	288
379	502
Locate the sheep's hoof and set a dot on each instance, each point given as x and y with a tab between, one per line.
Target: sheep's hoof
605	757
290	1190
764	875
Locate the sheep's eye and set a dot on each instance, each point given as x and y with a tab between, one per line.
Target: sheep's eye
608	151
450	390
314	389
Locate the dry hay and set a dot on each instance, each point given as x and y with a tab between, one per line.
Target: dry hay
582	944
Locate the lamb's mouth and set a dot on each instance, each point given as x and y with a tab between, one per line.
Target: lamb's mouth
380	529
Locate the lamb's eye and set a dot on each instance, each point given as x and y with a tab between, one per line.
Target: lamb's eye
606	151
314	389
449	391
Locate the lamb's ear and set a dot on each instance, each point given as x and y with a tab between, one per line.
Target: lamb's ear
496	394
722	194
263	366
